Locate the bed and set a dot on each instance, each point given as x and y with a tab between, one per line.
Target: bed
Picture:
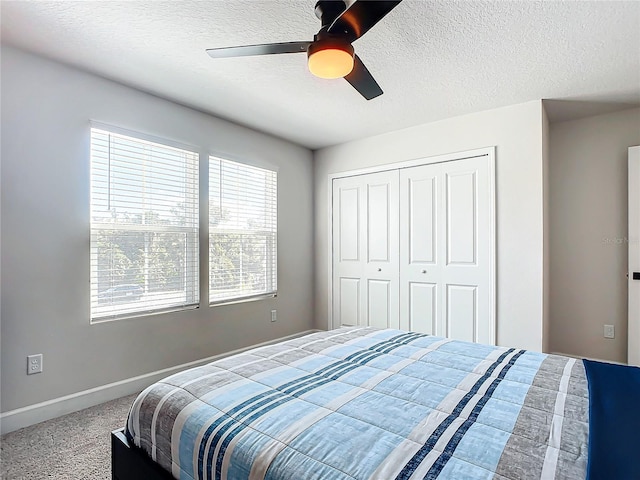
365	403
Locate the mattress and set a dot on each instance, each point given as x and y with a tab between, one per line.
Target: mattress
366	403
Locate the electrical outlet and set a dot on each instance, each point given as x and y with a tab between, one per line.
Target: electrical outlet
34	364
609	331
274	315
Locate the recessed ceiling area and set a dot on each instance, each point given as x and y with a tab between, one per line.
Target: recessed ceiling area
433	59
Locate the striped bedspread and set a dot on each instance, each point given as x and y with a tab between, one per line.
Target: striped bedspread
365	403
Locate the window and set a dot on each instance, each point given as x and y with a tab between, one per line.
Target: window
243	222
144	226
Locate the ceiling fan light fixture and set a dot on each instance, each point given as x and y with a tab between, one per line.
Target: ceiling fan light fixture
330	54
330	59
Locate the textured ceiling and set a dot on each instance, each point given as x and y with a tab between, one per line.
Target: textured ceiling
433	59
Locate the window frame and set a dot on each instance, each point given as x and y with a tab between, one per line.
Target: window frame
203	233
206	265
97	226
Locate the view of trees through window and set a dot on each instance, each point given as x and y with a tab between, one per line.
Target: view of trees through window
145	227
242	230
154	260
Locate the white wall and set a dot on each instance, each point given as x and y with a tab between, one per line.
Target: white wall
588	199
517	133
46	108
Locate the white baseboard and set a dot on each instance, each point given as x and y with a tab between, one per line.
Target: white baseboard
39	412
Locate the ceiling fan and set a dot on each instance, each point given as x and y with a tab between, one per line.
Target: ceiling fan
330	54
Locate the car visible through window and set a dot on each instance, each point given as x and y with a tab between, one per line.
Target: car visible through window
121	293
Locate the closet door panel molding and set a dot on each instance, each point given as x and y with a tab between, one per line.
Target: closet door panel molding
422	308
461	217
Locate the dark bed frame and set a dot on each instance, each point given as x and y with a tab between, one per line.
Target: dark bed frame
128	462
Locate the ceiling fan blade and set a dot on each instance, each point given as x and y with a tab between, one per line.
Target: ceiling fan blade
358	19
264	49
363	81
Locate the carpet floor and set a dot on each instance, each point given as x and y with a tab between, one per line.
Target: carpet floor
75	446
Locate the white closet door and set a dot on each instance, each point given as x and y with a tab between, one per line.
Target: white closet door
466	255
365	250
445	250
420	265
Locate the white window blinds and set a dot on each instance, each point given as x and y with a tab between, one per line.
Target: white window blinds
144	226
243	223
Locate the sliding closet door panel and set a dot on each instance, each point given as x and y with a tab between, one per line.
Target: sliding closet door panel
365	247
466	255
461	208
347	256
423	301
381	267
419	243
462	312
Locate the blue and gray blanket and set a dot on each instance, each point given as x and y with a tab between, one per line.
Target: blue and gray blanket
365	403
